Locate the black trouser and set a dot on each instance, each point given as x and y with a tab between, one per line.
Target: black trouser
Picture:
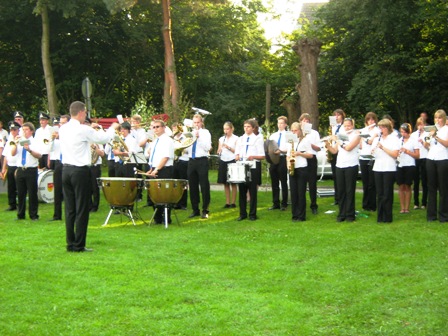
384	182
164	173
312	181
26	181
43	161
125	170
420	175
368	185
297	183
181	172
95	198
111	168
346	180
12	188
77	192
333	173
437	181
279	174
253	188
198	176
57	181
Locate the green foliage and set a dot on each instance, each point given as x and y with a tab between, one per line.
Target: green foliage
381	55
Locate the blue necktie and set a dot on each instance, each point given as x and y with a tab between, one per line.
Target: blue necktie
154	151
23	157
193	153
337	129
112	155
279	138
247	146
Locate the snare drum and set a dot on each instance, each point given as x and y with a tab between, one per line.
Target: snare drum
238	173
45	186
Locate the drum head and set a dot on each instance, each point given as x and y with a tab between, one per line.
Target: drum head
45	186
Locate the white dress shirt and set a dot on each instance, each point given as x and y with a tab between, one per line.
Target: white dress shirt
282	144
383	161
226	154
162	147
301	146
75	140
253	147
203	144
40	135
30	160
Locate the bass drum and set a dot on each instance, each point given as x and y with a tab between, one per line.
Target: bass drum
45	186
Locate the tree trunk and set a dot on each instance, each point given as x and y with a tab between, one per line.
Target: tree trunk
308	50
46	63
171	88
292	107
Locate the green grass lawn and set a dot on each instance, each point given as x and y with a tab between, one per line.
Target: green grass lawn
223	277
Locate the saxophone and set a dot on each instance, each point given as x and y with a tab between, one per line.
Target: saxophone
329	154
292	159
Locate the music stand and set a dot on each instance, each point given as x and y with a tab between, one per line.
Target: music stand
137	158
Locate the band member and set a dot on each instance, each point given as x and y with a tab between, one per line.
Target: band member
140	135
180	167
124	152
56	156
161	163
27	158
43	137
19	118
198	168
10	165
313	138
407	155
385	150
279	172
366	161
437	170
336	129
226	152
3	138
347	170
250	148
75	139
297	161
420	165
108	150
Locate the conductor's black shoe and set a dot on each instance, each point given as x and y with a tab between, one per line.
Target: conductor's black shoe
314	211
11	209
252	218
194	214
274	208
241	218
84	249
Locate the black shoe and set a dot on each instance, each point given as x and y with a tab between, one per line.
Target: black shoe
274	208
226	206
340	220
34	219
233	205
298	220
283	208
94	210
54	219
240	218
84	249
20	218
11	209
314	211
252	218
194	214
204	215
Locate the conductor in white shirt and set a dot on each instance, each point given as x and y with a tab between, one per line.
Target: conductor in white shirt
75	139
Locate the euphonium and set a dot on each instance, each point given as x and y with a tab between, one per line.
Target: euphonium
93	154
121	146
329	154
292	159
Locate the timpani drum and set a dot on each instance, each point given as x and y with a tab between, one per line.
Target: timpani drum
166	191
120	191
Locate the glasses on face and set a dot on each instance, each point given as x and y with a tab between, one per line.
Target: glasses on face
156	126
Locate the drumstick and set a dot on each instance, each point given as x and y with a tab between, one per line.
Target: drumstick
141	172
